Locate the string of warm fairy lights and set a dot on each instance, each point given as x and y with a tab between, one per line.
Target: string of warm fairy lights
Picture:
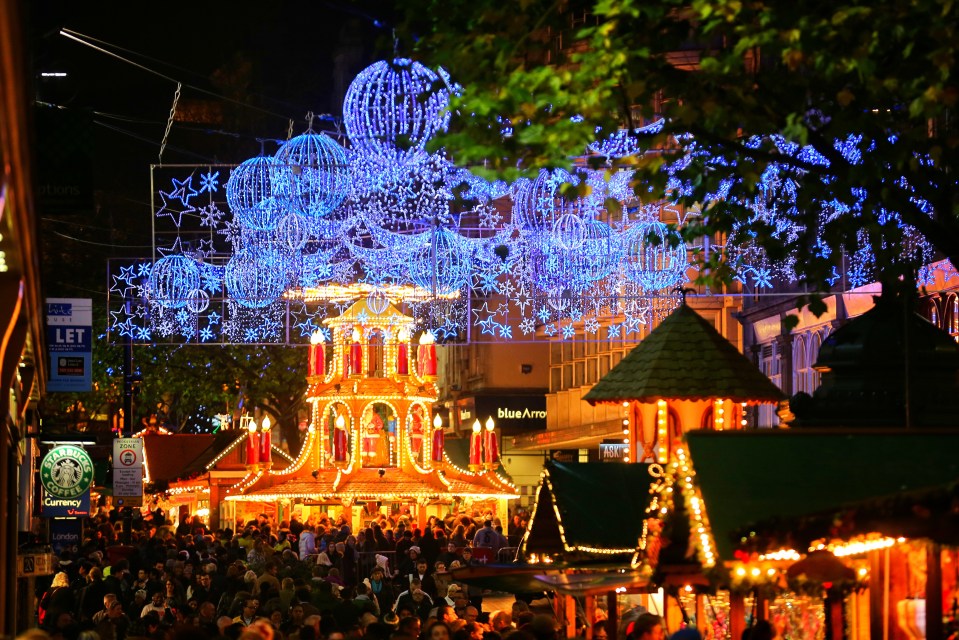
662	431
694	502
193	488
858	545
546	481
762	568
241	437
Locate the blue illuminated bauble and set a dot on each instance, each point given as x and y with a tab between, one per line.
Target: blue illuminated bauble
569	231
198	301
172	279
535	202
316	172
654	265
293	231
254	193
392	109
598	254
377	301
257	276
442	264
552	267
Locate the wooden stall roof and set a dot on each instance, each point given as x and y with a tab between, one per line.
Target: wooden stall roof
684	358
589	506
781	482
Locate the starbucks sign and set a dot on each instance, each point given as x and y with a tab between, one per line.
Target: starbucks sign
66	471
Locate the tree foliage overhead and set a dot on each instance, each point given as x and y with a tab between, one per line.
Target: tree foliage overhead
837	116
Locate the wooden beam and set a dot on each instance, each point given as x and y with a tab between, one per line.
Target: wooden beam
737	615
612	617
933	592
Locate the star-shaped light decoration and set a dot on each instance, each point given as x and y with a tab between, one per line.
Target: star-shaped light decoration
182	190
171	210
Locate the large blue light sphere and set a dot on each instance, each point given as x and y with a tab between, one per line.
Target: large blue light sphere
442	264
654	265
172	280
254	193
316	173
536	202
257	276
392	109
598	254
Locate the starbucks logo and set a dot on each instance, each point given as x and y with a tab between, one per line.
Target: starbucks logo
66	471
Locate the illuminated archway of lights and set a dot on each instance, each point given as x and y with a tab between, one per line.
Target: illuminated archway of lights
263	250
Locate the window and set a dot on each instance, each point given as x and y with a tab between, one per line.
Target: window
555	379
769	364
556	353
603	365
707	420
800	365
579	374
591	347
812	376
567	376
591	368
952	315
375	345
579	348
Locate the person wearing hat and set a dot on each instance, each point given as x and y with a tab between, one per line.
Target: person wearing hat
381	588
408	560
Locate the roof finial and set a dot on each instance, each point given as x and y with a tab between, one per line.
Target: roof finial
681	290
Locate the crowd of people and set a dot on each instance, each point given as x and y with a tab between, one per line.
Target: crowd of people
288	580
311	580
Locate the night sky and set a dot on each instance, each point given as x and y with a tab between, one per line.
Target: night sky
247	71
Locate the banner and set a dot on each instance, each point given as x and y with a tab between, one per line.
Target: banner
70	343
76	507
65	534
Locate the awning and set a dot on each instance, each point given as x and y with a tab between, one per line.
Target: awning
575	580
594	508
781	483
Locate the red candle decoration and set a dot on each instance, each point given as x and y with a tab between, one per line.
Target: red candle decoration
490	445
439	439
317	354
266	441
476	445
339	440
252	446
403	352
426	354
356	354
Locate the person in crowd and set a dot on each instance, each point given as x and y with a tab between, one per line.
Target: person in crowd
647	626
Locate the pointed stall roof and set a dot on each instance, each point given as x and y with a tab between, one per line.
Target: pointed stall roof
684	358
574	497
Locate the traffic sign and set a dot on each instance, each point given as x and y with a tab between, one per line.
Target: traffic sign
127	482
127	452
